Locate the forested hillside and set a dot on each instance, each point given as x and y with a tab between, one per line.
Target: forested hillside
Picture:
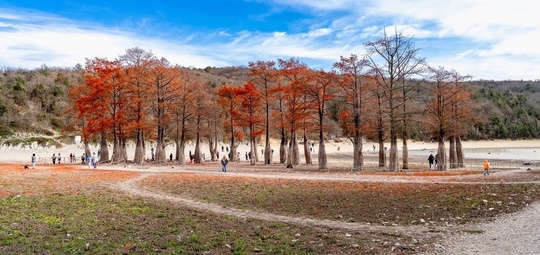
37	101
512	109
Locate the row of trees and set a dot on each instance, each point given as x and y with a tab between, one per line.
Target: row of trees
379	95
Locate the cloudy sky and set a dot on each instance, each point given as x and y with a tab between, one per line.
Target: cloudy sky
494	39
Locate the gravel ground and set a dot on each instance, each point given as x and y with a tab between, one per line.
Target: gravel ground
517	233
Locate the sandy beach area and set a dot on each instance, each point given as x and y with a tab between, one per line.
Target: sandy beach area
338	152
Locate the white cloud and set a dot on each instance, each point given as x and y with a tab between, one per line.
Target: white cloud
319	5
29	46
489	40
320	32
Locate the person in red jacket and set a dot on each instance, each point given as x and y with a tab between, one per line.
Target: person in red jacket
486	167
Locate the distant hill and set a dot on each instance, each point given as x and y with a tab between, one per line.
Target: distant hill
37	101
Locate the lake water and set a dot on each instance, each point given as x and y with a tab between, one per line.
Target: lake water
532	153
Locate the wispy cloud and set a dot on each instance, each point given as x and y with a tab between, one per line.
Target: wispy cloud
494	40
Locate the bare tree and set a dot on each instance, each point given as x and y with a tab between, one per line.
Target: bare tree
444	112
392	60
352	87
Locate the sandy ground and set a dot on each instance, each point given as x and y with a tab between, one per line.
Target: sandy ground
337	152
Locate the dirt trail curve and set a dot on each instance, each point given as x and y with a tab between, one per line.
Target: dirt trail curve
517	233
130	187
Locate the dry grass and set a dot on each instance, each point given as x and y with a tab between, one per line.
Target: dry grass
66	210
381	203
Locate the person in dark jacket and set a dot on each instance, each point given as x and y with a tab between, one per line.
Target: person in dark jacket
224	162
431	161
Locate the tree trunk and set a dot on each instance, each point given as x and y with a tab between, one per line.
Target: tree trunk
197	157
181	148
212	146
323	159
307	153
182	153
393	160
116	147
358	157
405	153
87	151
160	155
295	151
104	148
382	154
267	154
267	149
293	157
253	151
282	145
255	154
452	153
441	155
459	152
120	151
380	134
139	149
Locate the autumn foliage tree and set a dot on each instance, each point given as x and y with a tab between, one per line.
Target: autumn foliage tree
250	116
186	91
320	90
463	117
278	116
164	80
201	106
294	77
264	75
100	103
230	100
137	64
139	97
447	109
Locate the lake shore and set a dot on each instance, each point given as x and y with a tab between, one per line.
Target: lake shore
337	152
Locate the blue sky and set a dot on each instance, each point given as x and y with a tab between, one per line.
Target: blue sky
486	39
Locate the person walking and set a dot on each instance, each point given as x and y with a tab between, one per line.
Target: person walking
431	160
54	158
486	167
224	162
89	160
34	161
94	160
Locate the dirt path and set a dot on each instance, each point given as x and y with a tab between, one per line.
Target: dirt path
130	186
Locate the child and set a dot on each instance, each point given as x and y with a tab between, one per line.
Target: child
486	167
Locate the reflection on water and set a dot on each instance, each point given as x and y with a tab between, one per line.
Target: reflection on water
504	153
496	153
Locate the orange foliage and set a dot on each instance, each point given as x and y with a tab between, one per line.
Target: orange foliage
53	178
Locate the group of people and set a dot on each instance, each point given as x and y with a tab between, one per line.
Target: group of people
432	160
90	160
57	159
